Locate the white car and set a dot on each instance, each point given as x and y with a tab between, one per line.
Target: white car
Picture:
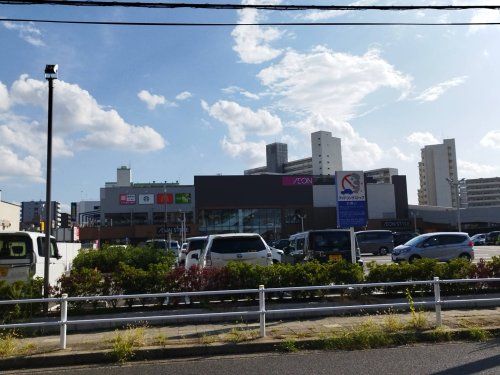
277	254
221	249
182	253
193	251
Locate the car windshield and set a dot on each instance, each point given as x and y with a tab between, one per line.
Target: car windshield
196	245
331	240
229	245
15	247
415	241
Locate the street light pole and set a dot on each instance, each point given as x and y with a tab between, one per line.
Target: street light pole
454	184
50	75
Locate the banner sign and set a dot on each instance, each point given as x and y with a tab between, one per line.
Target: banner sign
351	199
127	199
163	198
297	181
172	230
183	198
146	198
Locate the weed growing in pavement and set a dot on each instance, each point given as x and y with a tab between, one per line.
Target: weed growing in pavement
207	339
125	344
8	344
288	346
161	339
476	333
440	334
365	336
418	319
237	335
393	323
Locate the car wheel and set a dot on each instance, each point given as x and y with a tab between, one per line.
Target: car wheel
465	256
413	258
383	251
275	261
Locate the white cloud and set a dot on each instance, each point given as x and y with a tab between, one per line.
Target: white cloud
474	170
27	31
433	93
152	100
4	97
13	166
77	113
361	152
330	83
242	120
253	43
252	153
184	95
491	139
317	15
395	152
239	90
422	138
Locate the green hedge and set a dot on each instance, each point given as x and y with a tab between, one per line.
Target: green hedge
20	290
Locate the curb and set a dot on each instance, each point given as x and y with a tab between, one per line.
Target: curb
158	353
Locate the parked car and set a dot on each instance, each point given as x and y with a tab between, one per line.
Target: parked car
377	242
182	253
220	249
322	245
22	257
277	254
194	247
442	246
479	239
165	245
492	238
400	238
281	243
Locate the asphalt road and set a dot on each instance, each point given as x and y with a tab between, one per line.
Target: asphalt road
485	252
442	359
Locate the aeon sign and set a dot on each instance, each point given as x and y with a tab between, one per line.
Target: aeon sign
297	180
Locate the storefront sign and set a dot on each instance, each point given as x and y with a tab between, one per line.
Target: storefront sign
172	230
126	199
351	199
396	224
297	180
146	198
183	198
163	198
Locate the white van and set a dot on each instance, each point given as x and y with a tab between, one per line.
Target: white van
221	249
21	257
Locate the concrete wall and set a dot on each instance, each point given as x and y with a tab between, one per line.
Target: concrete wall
10	216
381	201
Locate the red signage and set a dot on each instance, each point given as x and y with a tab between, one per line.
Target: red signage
297	180
127	199
164	198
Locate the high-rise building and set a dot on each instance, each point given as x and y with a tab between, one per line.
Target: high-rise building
482	192
33	213
326	153
326	158
381	175
438	165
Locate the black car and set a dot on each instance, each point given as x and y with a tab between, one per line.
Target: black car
492	238
281	244
400	238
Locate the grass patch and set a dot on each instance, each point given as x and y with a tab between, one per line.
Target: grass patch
440	334
8	344
237	335
365	336
288	346
208	339
393	323
476	333
161	339
418	319
125	344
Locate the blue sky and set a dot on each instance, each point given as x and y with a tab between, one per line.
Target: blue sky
179	102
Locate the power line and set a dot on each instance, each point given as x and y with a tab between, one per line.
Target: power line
218	24
280	7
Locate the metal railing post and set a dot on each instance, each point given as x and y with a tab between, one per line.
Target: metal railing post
437	300
64	319
262	310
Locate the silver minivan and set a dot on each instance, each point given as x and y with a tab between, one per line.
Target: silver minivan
377	242
220	249
442	246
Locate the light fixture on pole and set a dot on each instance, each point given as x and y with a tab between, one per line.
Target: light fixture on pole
50	76
454	184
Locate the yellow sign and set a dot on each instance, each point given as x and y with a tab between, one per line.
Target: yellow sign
335	257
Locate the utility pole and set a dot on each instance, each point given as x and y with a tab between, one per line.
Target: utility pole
455	184
50	76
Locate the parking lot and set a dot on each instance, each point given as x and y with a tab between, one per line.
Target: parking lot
484	252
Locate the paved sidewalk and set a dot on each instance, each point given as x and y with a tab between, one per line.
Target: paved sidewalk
237	332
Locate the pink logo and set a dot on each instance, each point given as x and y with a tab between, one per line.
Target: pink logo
297	180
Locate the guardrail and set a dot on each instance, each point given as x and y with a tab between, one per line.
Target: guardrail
63	323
